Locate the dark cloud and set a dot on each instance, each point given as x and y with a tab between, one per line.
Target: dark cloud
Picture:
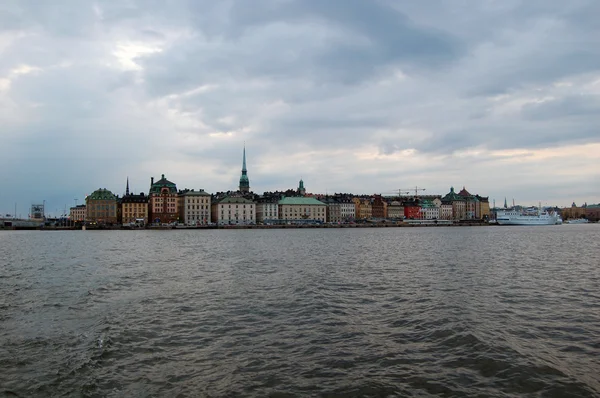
346	93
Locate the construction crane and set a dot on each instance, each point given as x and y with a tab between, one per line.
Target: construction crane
406	191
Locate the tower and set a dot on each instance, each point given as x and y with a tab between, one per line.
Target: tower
127	188
301	189
244	181
505	204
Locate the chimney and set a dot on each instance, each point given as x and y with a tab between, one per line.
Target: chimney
151	180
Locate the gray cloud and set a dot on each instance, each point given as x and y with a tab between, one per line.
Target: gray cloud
351	95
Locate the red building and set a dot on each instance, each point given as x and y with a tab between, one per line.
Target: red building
412	211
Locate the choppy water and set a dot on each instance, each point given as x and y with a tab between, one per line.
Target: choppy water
488	311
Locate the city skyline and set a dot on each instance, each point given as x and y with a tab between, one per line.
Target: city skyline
351	96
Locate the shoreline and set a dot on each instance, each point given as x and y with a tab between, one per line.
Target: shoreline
236	227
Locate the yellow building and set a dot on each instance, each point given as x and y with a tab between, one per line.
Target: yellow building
134	208
302	208
363	208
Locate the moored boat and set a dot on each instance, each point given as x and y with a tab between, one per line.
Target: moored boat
531	216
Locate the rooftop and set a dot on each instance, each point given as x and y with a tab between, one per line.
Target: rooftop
235	199
300	201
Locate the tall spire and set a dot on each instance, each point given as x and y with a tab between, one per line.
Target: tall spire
505	204
127	189
244	181
244	161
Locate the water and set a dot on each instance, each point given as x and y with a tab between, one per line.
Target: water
482	311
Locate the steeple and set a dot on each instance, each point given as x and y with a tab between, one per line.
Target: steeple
244	171
127	189
244	181
505	204
301	189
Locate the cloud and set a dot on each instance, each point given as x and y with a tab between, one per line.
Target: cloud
353	96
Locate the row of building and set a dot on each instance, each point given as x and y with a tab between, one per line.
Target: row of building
165	204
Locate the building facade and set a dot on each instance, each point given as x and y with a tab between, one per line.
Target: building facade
134	208
362	208
429	211
163	201
101	207
458	203
233	210
333	210
347	210
302	209
194	207
267	210
77	213
378	207
395	210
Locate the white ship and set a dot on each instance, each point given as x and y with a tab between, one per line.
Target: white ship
578	221
531	216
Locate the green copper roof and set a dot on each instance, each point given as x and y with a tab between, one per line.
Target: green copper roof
244	181
101	194
452	196
300	201
162	183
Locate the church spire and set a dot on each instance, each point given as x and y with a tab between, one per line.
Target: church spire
244	181
127	189
244	161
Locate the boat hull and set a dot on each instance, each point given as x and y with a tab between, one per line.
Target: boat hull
542	221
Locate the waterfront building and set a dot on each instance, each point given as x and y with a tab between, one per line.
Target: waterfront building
101	207
194	207
446	212
429	211
412	209
299	209
234	210
458	203
267	208
77	213
378	207
362	208
471	204
395	210
347	209
333	210
484	203
244	186
163	201
133	208
592	212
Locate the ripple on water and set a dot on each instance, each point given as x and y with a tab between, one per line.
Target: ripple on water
377	312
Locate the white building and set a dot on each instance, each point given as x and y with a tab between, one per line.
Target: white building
267	211
446	211
194	207
347	210
234	211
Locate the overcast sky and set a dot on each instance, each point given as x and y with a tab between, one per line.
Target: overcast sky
502	97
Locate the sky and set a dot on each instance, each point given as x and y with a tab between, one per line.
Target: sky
502	97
